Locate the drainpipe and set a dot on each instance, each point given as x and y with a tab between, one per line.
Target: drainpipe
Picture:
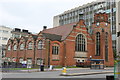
25	51
17	55
34	53
64	53
48	52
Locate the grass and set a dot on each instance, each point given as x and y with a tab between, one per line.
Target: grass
67	67
57	67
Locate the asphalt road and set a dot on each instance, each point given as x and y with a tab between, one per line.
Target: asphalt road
56	74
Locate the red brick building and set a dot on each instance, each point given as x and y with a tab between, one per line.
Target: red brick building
65	45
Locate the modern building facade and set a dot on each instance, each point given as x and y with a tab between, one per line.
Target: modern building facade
118	27
87	11
118	39
5	34
65	45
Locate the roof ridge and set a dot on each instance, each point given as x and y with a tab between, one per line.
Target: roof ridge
61	26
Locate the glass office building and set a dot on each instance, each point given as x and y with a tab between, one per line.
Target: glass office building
87	11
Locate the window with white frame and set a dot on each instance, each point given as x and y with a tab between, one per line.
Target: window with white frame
22	46
9	47
30	45
80	44
55	49
15	47
39	61
40	44
98	43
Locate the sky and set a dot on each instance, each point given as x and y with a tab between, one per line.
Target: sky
34	14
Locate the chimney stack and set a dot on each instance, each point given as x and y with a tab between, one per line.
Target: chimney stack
44	27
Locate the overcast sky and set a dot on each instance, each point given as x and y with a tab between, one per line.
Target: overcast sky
33	14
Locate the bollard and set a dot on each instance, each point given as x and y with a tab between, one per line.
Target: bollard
64	70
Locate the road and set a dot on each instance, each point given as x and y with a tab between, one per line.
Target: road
56	74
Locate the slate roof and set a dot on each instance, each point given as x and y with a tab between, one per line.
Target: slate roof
26	38
35	37
52	37
60	32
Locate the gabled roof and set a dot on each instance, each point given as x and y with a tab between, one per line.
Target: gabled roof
61	31
11	40
17	39
35	37
26	38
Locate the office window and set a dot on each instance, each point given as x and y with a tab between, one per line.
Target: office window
55	49
40	44
30	45
22	46
80	44
4	38
4	31
15	47
97	44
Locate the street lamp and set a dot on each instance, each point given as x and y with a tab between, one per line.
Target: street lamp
90	61
90	57
41	60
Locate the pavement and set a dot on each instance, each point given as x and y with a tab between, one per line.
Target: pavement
86	72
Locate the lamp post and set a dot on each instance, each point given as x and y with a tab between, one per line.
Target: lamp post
90	57
90	61
41	60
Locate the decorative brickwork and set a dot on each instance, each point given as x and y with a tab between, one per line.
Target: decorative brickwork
65	39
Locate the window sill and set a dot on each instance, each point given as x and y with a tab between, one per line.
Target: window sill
29	49
54	54
81	51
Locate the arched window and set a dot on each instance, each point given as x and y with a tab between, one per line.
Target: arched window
22	46
55	49
9	48
15	47
40	44
106	46
30	45
80	43
97	43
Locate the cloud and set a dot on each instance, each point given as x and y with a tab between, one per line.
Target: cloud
48	1
7	17
33	14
